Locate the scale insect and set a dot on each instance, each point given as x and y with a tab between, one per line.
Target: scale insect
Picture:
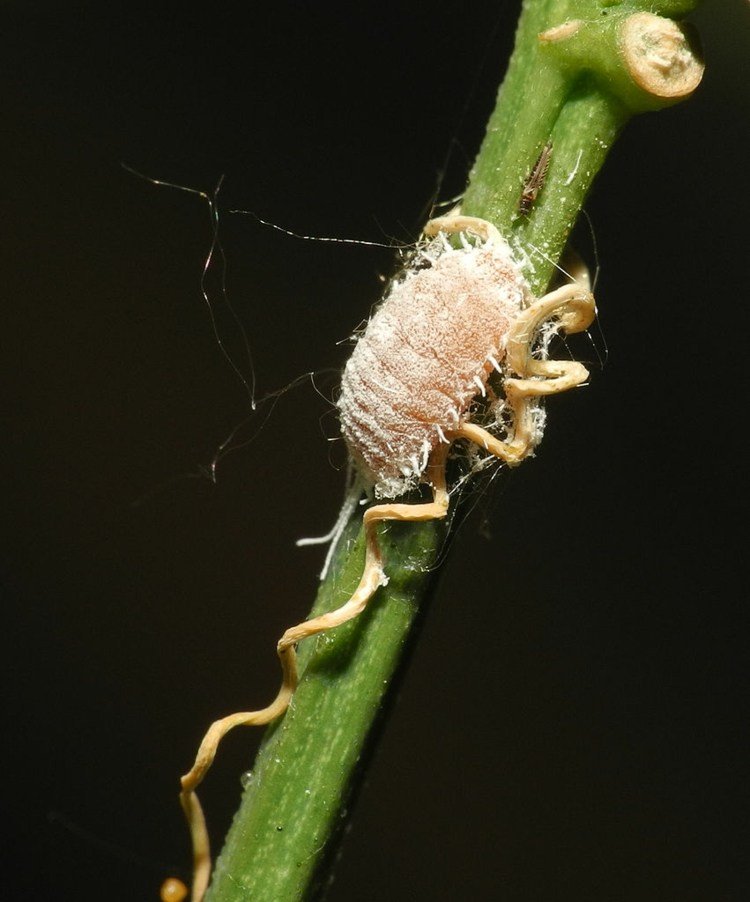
535	182
456	315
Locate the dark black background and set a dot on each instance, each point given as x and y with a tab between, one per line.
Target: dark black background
601	756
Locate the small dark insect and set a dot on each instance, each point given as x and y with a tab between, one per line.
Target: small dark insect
534	183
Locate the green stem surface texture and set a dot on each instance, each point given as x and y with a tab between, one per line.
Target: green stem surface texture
294	804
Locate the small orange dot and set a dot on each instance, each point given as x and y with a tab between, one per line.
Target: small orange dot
173	890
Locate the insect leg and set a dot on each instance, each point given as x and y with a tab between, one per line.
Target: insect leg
512	453
373	575
575	307
457	223
206	754
573	303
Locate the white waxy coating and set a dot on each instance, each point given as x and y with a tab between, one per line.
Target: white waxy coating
425	355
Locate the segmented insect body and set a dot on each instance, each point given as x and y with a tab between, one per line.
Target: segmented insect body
535	182
406	396
425	355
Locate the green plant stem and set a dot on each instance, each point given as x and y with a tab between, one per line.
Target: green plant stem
293	806
296	798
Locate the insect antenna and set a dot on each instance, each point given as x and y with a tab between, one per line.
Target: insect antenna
215	252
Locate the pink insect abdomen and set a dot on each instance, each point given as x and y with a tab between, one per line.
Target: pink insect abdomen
424	356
